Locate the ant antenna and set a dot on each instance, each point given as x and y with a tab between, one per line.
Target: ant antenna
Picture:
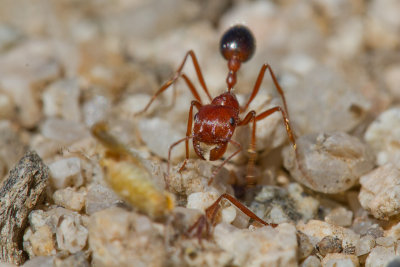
237	45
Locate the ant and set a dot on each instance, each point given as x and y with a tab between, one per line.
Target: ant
215	123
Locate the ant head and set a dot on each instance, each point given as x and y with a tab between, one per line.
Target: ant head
237	45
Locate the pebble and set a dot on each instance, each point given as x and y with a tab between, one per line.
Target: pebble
100	197
41	261
263	246
41	241
63	131
380	256
332	162
339	259
317	230
329	244
380	191
311	261
151	135
340	216
71	235
66	172
70	198
392	79
127	241
365	245
195	178
61	100
383	135
95	110
277	205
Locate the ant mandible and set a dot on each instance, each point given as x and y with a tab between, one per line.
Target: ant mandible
215	123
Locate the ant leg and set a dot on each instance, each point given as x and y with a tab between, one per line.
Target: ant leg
178	74
169	157
226	160
257	85
212	211
189	130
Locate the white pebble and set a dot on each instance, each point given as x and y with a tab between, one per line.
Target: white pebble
70	198
66	172
380	191
71	235
379	256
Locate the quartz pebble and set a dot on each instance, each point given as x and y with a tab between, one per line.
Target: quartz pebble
340	259
42	261
63	131
95	110
66	172
61	99
331	162
380	191
365	245
71	235
380	256
150	133
339	216
382	135
329	244
277	205
263	246
311	261
70	198
317	230
100	197
127	239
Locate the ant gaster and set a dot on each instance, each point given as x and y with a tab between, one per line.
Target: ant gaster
215	123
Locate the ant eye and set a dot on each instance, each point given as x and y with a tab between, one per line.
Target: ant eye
232	121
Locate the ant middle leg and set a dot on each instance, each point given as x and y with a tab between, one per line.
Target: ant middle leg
190	85
253	117
257	85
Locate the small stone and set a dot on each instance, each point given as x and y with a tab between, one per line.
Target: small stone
277	205
121	238
100	197
329	244
77	260
41	241
63	131
71	235
317	230
70	198
305	246
95	110
201	201
7	107
228	214
66	172
265	246
365	245
380	256
382	136
386	241
380	191
151	135
340	216
392	79
42	261
61	100
339	259
331	162
195	178
311	261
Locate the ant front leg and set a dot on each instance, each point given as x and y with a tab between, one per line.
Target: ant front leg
186	139
257	85
190	85
211	212
252	117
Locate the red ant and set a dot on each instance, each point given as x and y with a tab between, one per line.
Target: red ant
215	123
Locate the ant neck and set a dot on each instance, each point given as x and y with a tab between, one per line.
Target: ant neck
233	66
